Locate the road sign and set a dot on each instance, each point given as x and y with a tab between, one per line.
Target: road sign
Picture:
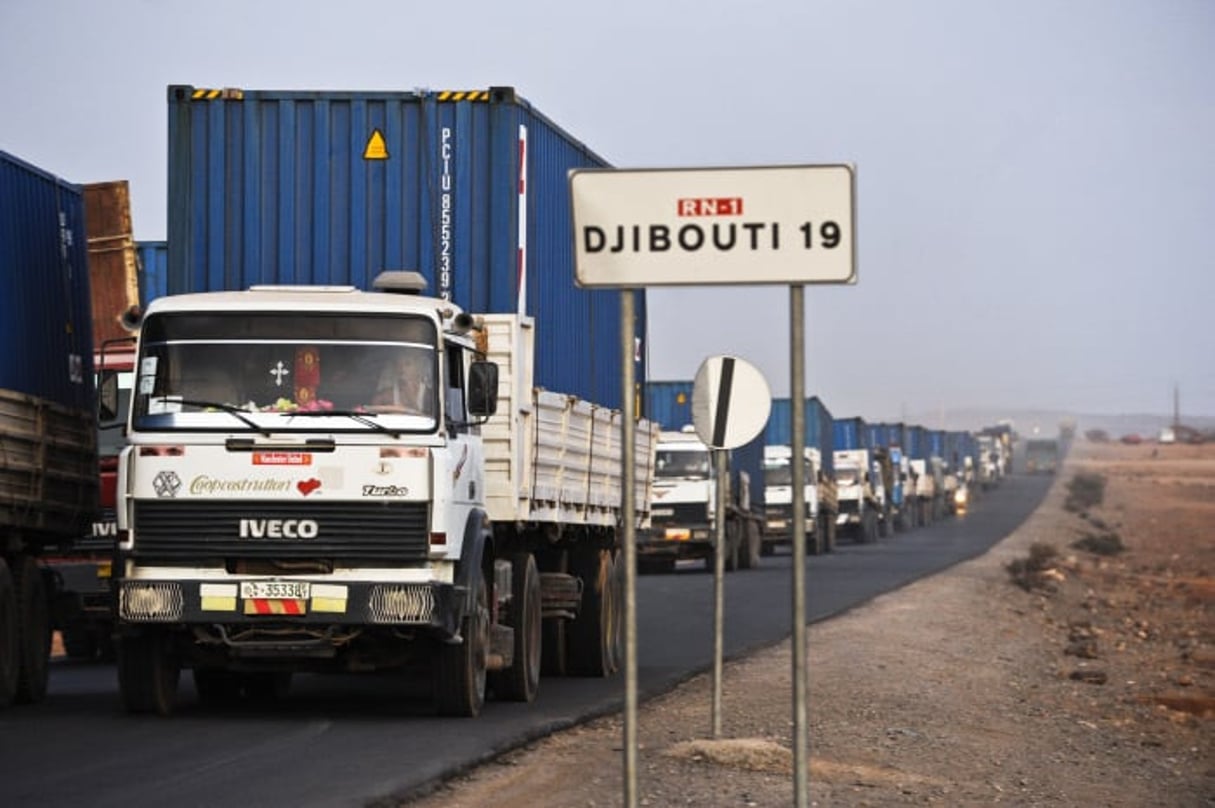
730	402
700	227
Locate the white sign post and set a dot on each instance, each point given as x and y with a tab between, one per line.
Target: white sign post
793	225
731	401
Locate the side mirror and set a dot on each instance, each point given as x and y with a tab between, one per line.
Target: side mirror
482	389
107	395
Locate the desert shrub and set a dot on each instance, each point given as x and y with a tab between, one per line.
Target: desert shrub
1025	572
1107	544
1084	490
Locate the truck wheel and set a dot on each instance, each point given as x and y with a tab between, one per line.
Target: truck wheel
553	631
34	631
521	680
616	644
589	649
460	672
732	549
147	673
10	647
748	557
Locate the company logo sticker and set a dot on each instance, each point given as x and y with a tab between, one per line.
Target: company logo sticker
279	529
166	484
282	458
306	487
385	491
204	485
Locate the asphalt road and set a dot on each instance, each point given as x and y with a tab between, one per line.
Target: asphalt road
350	740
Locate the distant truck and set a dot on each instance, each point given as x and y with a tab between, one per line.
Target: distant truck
859	473
890	441
684	514
48	471
820	491
290	506
1042	455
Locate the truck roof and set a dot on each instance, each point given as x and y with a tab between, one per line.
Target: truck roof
306	298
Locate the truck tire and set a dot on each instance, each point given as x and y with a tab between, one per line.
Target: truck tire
148	673
521	680
590	643
752	544
460	670
10	647
33	631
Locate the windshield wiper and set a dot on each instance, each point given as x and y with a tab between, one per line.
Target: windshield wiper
364	418
228	408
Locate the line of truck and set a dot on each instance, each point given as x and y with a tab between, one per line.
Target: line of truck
863	481
221	475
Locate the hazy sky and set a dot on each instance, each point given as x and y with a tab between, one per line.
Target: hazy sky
1035	178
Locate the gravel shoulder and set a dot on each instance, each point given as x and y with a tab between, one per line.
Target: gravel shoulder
1087	678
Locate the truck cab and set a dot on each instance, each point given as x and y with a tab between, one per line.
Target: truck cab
862	494
778	495
683	513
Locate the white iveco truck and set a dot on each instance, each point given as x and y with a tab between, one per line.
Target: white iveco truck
285	505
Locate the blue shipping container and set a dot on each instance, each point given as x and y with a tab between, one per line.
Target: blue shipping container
333	187
153	270
851	433
917	443
820	428
46	315
669	404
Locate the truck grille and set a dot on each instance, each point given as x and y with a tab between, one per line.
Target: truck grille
341	531
680	513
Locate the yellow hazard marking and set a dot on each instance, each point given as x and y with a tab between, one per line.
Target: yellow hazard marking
217	597
464	95
329	605
329	598
218	603
210	94
376	148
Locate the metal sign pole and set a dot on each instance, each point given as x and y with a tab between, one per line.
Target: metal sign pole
719	588
797	385
628	518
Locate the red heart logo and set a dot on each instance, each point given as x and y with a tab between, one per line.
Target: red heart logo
306	487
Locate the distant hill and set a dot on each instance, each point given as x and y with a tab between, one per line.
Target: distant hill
1046	422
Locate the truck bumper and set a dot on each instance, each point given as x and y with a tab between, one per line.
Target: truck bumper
430	606
676	541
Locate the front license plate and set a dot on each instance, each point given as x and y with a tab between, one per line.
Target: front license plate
275	590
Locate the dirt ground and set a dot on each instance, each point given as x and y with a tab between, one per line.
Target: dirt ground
1085	679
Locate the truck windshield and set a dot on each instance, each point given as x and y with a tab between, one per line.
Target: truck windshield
847	475
682	464
780	472
196	370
